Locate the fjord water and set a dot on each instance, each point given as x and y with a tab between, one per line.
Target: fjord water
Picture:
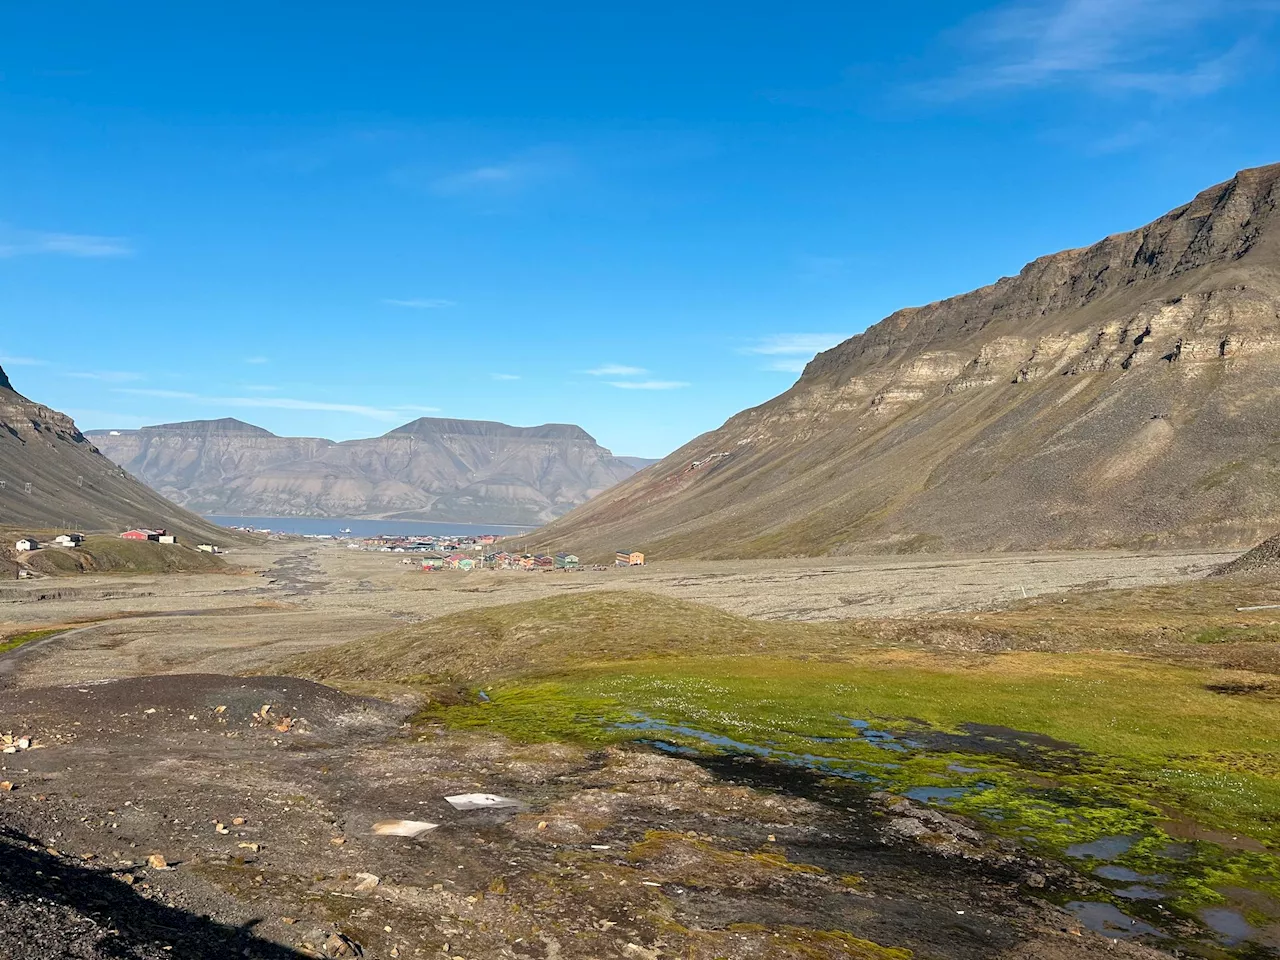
333	527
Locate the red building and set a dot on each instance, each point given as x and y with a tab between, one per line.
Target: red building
142	535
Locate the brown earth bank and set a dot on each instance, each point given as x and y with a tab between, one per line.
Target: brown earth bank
1118	395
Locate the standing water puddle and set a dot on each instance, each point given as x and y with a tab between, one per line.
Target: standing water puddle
1109	921
1107	848
1232	929
1229	926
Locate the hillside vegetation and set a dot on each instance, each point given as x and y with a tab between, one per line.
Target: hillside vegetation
103	554
1060	721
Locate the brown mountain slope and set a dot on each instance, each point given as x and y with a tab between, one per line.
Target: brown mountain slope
71	484
1126	393
430	469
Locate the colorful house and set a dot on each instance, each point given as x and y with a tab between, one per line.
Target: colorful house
542	562
629	558
566	561
143	535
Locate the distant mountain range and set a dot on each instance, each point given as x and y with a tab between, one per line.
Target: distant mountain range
52	476
1125	394
430	469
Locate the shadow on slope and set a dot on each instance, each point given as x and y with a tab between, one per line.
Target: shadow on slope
52	907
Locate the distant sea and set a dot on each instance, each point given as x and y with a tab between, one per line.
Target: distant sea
321	526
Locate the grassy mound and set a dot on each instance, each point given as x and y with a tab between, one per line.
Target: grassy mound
112	555
544	636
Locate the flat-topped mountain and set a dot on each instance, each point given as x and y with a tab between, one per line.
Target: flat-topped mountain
51	475
430	469
1123	394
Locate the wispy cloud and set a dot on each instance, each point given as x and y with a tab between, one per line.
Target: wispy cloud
504	376
15	243
787	366
648	384
414	408
107	376
256	361
259	388
22	362
392	415
431	303
616	370
491	179
796	344
496	175
1103	45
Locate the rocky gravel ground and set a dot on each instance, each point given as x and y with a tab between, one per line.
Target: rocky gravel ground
206	816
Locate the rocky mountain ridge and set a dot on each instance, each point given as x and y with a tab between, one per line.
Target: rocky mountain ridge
51	475
1121	394
429	469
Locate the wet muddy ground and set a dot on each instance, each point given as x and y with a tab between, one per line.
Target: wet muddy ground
265	823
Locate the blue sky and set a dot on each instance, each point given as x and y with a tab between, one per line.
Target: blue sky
330	218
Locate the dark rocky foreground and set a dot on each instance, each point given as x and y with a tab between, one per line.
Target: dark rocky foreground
264	825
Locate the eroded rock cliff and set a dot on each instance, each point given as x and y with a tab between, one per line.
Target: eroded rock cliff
1122	394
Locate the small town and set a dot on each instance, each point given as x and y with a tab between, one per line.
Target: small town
474	553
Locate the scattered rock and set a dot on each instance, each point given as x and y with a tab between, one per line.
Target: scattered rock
367	882
157	862
339	945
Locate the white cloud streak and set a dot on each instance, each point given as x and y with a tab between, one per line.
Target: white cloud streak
108	376
22	362
256	361
648	384
393	415
15	243
503	376
616	370
430	303
788	366
796	344
1105	45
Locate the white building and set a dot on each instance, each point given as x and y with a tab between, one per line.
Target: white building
26	545
68	540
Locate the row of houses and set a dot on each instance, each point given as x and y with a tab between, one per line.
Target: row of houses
70	540
28	544
524	561
432	545
502	561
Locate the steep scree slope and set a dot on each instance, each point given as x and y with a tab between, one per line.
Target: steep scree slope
71	483
1123	394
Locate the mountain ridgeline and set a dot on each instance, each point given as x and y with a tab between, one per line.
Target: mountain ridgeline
52	476
430	469
1125	394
